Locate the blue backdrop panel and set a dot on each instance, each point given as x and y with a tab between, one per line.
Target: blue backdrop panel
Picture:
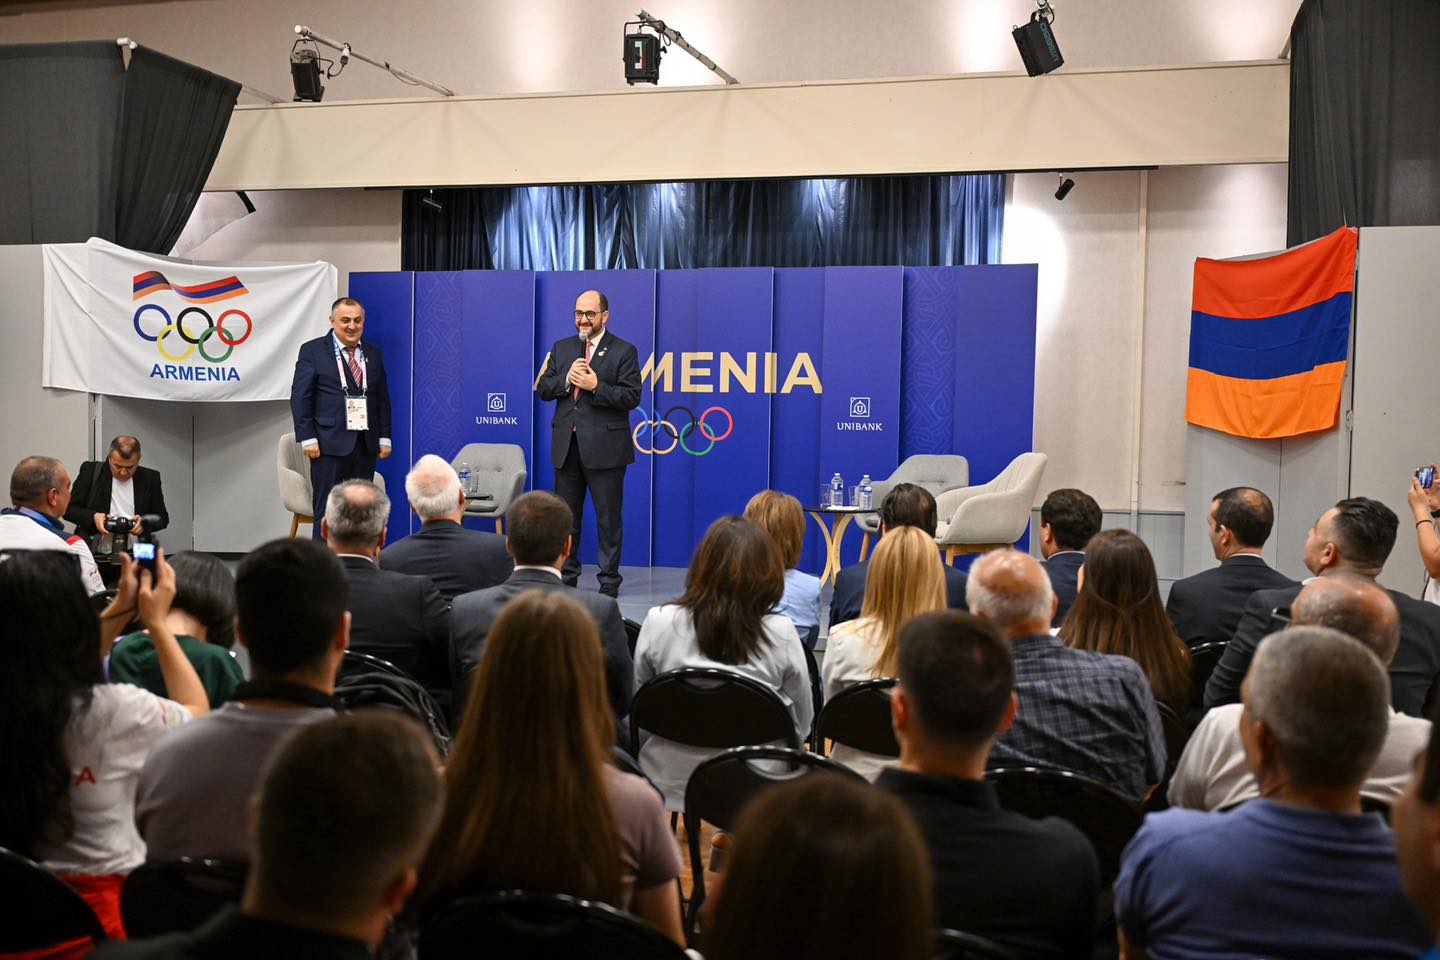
632	317
440	363
795	430
714	329
389	300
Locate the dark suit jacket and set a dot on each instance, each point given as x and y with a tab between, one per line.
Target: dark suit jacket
456	559
90	494
849	592
600	418
1416	663
475	614
1206	608
317	401
1063	569
399	618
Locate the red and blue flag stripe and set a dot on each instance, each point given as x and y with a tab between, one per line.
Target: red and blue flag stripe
154	281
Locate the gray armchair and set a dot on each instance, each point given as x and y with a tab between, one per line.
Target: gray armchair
992	515
935	472
497	477
293	470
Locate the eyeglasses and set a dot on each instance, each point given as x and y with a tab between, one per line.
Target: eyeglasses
586	314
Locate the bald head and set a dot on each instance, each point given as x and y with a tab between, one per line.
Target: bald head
433	489
1011	590
1356	606
355	515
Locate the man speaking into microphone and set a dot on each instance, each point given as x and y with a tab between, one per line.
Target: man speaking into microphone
594	380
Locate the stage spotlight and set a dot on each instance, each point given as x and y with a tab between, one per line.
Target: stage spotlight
1036	41
305	73
641	54
1066	185
428	201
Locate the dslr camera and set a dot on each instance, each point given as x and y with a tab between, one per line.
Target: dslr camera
119	526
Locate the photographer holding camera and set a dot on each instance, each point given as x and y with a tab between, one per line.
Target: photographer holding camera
115	496
1424	500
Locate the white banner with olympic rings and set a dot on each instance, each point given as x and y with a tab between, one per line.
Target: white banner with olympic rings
132	324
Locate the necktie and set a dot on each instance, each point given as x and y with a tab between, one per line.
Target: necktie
354	367
575	394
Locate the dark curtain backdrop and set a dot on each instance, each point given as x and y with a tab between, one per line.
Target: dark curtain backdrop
170	132
59	103
89	149
1364	115
914	221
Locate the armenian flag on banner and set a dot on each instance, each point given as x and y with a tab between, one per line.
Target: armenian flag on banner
1269	339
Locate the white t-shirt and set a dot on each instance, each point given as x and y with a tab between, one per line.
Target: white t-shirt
1212	773
122	497
106	745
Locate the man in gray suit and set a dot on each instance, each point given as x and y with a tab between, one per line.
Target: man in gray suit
538	527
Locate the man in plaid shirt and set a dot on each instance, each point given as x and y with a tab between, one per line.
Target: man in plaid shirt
1092	713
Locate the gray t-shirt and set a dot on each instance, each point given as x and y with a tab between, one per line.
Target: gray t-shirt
194	789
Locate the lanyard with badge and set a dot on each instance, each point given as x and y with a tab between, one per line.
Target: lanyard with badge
357	416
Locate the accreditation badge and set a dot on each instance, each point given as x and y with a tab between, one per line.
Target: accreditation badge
357	417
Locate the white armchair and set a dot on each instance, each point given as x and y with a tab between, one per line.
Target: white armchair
935	472
993	515
498	476
293	470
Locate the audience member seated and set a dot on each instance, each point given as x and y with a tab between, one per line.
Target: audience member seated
1354	536
1118	610
457	560
73	744
1088	712
956	695
1206	607
39	494
533	798
723	620
1300	871
906	505
393	616
1417	837
193	793
117	487
826	842
905	580
1068	519
202	619
340	825
781	516
1212	774
538	537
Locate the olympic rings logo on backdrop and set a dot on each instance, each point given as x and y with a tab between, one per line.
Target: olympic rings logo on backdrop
682	437
183	327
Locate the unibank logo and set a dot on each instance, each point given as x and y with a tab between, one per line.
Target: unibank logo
193	331
859	408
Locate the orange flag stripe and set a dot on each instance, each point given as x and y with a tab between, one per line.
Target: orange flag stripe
1266	409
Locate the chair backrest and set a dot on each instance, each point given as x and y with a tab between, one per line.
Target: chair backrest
353	662
41	910
1023	470
293	473
632	633
1202	663
933	471
365	682
720	787
538	926
1105	815
165	896
709	707
497	470
859	717
1177	733
956	945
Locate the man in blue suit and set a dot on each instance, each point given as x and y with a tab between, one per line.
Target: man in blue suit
1068	519
340	402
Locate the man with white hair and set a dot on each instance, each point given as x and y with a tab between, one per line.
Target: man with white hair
1300	871
1092	713
457	560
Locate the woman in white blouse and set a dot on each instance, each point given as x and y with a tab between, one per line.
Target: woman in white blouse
723	620
904	579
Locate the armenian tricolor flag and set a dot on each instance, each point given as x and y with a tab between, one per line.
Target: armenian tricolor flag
154	281
1269	339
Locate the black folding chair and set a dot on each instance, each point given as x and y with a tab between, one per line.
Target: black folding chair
720	788
956	945
711	708
1202	663
538	926
41	910
632	634
353	663
859	717
165	896
1374	805
1177	735
1106	816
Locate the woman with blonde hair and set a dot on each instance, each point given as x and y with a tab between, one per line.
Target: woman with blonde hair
905	579
533	799
781	516
1118	610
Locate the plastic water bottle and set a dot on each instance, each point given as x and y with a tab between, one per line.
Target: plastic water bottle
465	485
837	491
867	494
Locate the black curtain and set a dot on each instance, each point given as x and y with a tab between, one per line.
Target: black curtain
174	119
1364	115
936	220
59	103
89	149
